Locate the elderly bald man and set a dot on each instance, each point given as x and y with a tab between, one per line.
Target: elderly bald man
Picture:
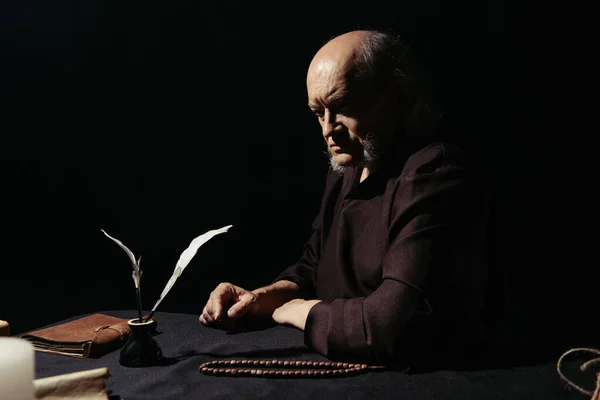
387	275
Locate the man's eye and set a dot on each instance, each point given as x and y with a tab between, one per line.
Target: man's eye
343	108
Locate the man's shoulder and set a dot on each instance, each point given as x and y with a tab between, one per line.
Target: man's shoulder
433	155
427	158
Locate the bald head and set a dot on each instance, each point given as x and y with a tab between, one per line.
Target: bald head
337	55
367	58
357	113
331	71
363	90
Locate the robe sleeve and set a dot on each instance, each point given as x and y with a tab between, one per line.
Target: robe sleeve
419	266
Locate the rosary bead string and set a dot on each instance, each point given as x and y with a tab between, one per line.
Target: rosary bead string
282	368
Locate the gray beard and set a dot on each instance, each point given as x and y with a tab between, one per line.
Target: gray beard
371	155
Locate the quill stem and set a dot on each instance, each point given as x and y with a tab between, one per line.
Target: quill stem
150	316
139	303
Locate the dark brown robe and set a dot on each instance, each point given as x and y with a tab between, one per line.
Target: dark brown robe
395	259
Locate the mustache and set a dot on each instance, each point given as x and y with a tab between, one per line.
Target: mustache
369	142
371	153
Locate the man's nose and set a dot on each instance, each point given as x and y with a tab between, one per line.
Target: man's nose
330	124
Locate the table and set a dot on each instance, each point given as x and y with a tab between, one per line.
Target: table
187	344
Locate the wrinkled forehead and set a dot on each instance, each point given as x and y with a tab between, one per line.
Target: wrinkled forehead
333	63
331	81
327	76
323	70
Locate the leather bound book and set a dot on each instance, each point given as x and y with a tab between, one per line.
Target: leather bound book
91	336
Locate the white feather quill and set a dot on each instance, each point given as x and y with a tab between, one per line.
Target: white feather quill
137	274
185	259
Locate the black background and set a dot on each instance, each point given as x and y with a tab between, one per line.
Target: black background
158	121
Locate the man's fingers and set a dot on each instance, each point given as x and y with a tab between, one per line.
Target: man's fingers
207	320
218	298
203	320
225	294
242	306
225	324
205	317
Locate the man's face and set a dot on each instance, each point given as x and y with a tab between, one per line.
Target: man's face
354	117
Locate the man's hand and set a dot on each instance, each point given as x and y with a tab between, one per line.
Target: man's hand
227	303
294	312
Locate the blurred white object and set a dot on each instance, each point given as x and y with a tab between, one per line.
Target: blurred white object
17	369
81	385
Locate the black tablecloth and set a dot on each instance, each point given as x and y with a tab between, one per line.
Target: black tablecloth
186	344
